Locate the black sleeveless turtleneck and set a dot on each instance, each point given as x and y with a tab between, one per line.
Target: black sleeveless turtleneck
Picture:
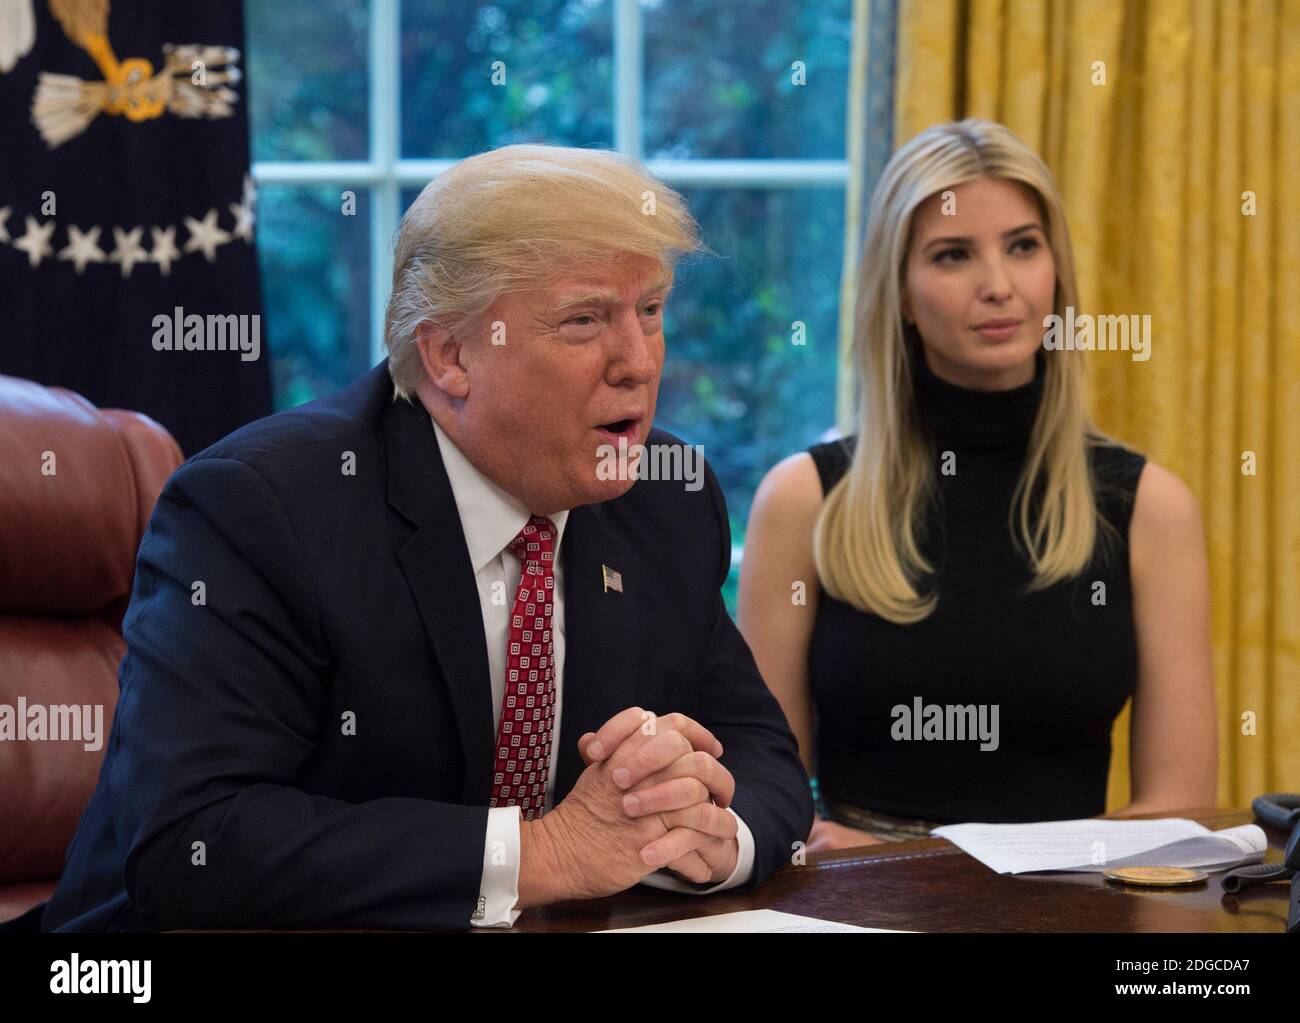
1058	664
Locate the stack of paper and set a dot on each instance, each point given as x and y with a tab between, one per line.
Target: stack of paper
754	921
1097	845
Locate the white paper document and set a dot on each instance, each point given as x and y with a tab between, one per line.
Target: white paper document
1096	845
755	921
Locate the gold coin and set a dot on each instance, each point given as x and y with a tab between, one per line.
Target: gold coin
1157	877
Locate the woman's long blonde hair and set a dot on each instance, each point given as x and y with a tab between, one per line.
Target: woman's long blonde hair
866	540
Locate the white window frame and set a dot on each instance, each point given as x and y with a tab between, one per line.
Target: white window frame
386	173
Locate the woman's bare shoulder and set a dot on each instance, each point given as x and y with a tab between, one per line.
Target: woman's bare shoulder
791	489
1164	501
1166	521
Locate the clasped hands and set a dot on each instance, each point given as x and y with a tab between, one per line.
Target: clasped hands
652	795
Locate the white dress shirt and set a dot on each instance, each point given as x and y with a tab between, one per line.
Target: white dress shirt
491	518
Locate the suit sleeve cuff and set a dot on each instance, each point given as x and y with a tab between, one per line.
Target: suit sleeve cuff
743	869
499	887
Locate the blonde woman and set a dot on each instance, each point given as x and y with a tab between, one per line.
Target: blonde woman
986	578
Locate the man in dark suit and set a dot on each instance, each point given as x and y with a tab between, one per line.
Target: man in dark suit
408	656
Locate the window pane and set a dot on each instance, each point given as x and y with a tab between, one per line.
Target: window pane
558	66
718	78
307	79
734	378
315	287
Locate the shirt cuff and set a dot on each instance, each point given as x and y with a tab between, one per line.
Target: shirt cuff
498	890
744	867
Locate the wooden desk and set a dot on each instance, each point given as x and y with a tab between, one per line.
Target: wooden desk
931	885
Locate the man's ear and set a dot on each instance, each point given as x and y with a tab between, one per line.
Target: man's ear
440	354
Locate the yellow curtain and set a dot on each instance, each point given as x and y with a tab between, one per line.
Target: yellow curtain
1198	118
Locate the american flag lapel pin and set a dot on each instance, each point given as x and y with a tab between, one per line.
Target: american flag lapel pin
612	580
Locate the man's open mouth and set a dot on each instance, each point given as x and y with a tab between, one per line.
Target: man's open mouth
619	426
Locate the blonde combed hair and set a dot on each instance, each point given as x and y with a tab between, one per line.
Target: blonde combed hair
518	218
866	542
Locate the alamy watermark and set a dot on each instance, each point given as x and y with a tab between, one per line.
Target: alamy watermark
212	333
1087	333
952	722
60	722
75	976
652	462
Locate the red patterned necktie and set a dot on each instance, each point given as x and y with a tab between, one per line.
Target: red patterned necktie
523	759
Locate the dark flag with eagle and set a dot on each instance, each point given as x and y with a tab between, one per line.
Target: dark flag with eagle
127	266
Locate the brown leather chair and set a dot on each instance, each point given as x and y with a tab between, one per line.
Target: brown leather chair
77	487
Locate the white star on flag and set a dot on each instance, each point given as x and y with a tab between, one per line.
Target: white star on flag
243	214
36	242
128	251
164	248
205	235
82	247
4	215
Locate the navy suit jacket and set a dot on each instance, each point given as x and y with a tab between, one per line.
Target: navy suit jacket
231	794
